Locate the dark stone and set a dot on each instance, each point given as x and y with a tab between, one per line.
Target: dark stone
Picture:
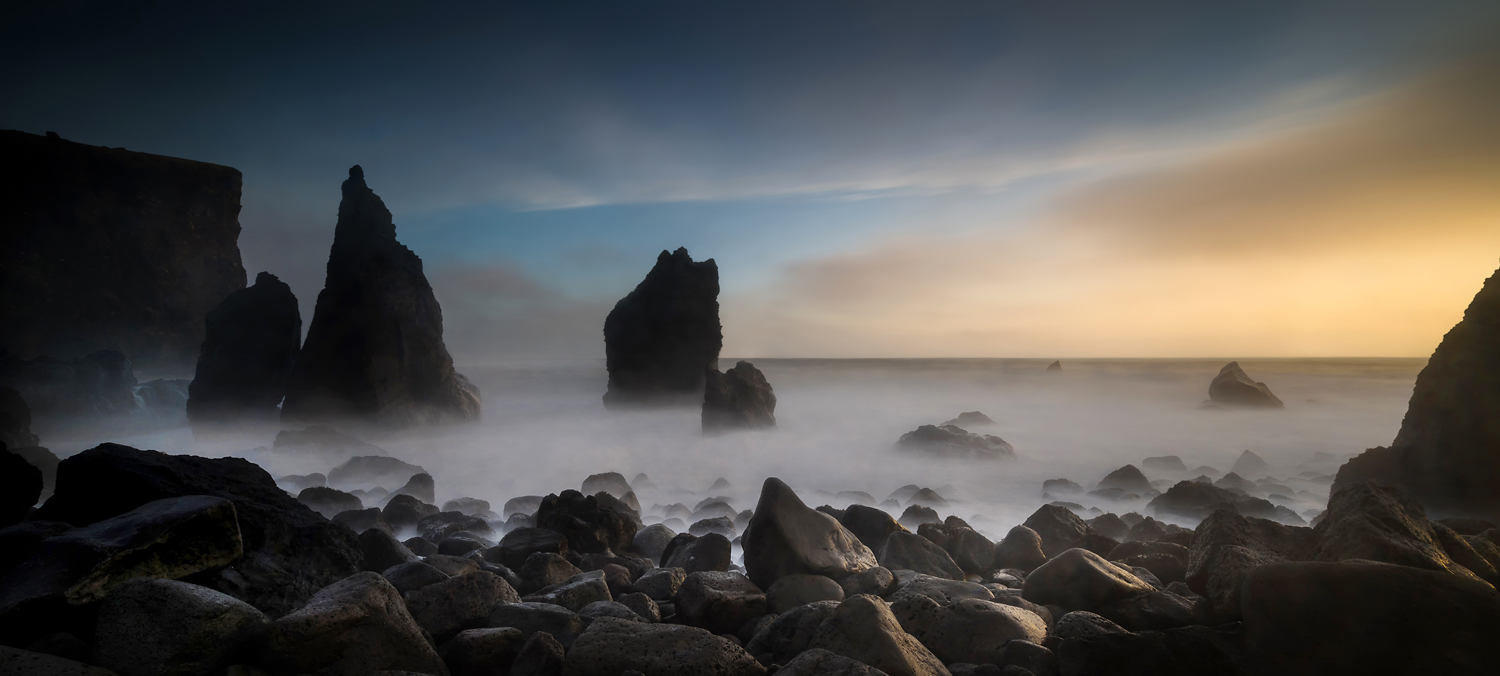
652	540
642	605
544	569
798	590
1021	549
661	338
739	398
1109	525
442	525
361	520
1053	489
530	617
916	515
710	553
518	545
406	511
862	628
1154	610
290	550
106	249
357	625
1228	546
329	501
974	553
488	651
458	603
20	486
248	352
719	524
382	550
1250	465
871	525
588	525
1059	528
908	551
1197	500
942	590
1188	651
950	441
542	655
526	504
612	647
155	627
1233	388
660	584
1380	522
936	533
785	537
1029	656
97	385
413	575
1127	478
15	420
719	601
874	581
376	469
1078	579
970	419
819	662
576	592
613	483
928	498
969	630
784	637
419	486
374	351
1164	463
1145	530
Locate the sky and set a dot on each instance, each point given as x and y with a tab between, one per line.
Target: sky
874	179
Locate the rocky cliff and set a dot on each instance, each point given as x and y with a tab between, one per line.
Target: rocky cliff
248	354
1448	450
107	249
661	338
374	351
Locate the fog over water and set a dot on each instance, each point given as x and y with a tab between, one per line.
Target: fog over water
544	430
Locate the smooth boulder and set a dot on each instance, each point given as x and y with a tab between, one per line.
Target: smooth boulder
969	630
1079	579
909	551
353	627
611	647
862	628
739	398
1232	387
785	537
154	626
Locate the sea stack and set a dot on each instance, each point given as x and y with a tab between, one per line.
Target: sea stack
739	398
1447	453
374	352
1232	387
661	338
248	355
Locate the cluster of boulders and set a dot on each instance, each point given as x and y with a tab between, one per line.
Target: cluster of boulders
952	440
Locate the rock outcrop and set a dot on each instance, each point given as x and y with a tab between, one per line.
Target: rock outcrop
785	537
97	385
955	442
374	351
1232	387
247	356
1445	452
662	337
739	398
107	249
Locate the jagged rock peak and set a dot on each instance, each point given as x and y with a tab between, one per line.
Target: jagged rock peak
1233	387
248	352
661	338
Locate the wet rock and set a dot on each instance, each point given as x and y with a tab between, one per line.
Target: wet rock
862	628
329	501
642	605
719	602
576	592
1150	611
660	584
1021	549
1380	522
413	575
662	337
458	603
1164	463
907	551
354	626
1127	478
149	626
518	545
611	647
563	624
785	537
1059	528
969	630
871	525
950	441
796	590
916	515
941	590
788	634
249	348
974	553
1228	546
739	398
17	662
1233	388
719	524
382	550
710	553
588	525
652	540
406	511
20	486
487	651
1189	651
819	662
542	655
374	351
544	569
1078	579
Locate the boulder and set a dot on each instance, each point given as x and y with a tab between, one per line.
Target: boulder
785	537
1109	525
575	592
870	524
544	569
588	525
1079	579
1227	546
405	512
661	338
719	602
109	249
642	605
20	486
1127	478
619	611
419	486
916	515
518	545
611	647
941	590
927	497
789	633
613	483
452	565
438	527
1465	554
149	626
486	651
471	507
862	628
1059	528
1053	489
652	540
1389	619
970	630
18	662
719	524
1164	463
1194	500
542	655
1233	388
1166	560
382	550
372	468
739	398
374	351
660	584
563	624
710	553
355	626
974	553
950	441
969	419
1188	651
874	581
1250	465
249	347
1145	530
819	662
414	575
907	551
458	603
1150	611
1084	624
329	502
1021	549
797	590
526	504
1380	522
361	520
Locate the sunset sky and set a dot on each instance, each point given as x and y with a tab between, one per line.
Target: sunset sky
875	179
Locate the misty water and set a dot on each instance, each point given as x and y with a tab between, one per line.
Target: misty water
545	430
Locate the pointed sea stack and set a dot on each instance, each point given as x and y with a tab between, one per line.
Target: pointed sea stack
248	355
1447	453
374	352
661	338
1232	387
1055	366
739	398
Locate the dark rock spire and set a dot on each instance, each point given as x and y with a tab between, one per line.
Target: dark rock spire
248	354
661	338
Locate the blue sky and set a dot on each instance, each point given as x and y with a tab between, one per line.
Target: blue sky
538	154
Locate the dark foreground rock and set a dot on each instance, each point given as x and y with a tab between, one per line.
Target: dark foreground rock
247	356
862	628
355	626
1079	579
290	550
20	486
785	537
950	441
1380	522
1227	547
739	398
151	626
374	351
588	525
662	337
969	630
1232	387
611	647
1189	651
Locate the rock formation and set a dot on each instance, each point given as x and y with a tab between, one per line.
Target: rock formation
661	338
106	249
248	354
1055	366
739	398
99	384
1447	453
1233	388
374	352
970	419
956	442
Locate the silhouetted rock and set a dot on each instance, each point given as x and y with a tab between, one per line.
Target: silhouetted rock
45	461
1373	521
1233	388
1445	452
247	355
662	337
1127	478
1250	465
151	626
1021	549
364	470
588	525
1164	463
956	442
969	419
739	398
1196	500
97	385
1227	546
711	553
107	249
1055	366
15	420
1078	579
609	482
786	538
871	525
611	646
374	351
358	625
20	485
908	551
419	486
493	650
328	501
719	601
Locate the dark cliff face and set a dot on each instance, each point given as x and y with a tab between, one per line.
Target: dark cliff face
107	249
374	351
248	354
660	339
1448	450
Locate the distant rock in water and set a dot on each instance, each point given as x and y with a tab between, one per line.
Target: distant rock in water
662	337
1055	366
248	354
1233	388
98	385
955	442
1127	478
1250	464
739	398
374	352
1445	453
970	419
1164	463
